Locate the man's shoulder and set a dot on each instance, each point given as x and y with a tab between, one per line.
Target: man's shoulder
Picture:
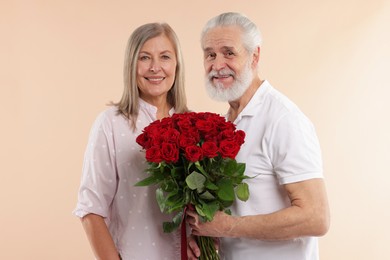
279	99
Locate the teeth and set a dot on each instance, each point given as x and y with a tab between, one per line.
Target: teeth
222	76
155	79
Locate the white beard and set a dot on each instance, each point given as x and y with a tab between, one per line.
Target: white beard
241	83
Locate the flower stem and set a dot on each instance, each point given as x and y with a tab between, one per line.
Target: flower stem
207	249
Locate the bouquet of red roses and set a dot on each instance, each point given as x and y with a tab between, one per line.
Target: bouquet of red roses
191	158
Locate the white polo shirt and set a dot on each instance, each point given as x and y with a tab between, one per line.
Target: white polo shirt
280	147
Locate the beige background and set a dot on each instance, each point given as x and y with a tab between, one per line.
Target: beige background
61	62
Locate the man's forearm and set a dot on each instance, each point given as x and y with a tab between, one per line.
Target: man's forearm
286	224
308	215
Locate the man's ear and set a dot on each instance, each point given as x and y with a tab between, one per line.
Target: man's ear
255	57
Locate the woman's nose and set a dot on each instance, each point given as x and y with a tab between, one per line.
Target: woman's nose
155	66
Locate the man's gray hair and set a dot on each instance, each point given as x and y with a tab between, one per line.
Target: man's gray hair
251	35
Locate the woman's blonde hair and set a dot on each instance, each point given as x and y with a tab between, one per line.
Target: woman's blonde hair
129	103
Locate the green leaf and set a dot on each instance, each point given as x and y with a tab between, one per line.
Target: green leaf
207	195
211	186
195	181
168	185
228	166
199	210
242	191
161	200
240	169
187	196
168	227
148	181
174	201
226	190
209	209
200	168
226	204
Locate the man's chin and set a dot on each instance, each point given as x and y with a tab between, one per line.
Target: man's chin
222	95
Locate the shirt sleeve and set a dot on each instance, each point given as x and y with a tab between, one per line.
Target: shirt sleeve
99	175
295	150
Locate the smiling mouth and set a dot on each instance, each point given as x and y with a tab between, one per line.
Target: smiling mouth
221	77
155	79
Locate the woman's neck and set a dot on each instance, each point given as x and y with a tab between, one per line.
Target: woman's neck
161	104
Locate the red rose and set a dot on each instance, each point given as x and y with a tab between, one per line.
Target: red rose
185	140
144	141
169	152
153	154
207	115
206	126
226	125
153	128
193	153
193	132
240	137
210	149
210	138
226	135
171	136
229	149
183	123
166	123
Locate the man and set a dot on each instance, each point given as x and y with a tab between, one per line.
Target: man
287	208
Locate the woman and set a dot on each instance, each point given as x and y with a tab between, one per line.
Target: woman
123	221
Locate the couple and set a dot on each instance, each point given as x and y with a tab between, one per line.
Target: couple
287	209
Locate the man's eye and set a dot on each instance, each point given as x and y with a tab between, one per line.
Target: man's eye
210	55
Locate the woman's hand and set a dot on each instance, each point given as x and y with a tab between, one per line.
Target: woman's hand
193	250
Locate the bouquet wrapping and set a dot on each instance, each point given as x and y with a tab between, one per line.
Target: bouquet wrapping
191	161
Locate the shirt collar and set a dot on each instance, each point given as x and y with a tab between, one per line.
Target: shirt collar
152	110
251	108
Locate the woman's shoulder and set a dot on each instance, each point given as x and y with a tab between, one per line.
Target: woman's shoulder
110	112
108	115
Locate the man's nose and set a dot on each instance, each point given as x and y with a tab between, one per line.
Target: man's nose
219	63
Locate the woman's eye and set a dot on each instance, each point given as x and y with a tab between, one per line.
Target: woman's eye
166	57
144	57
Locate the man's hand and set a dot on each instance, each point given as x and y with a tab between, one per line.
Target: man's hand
218	227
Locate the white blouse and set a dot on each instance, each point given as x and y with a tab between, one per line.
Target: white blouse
113	163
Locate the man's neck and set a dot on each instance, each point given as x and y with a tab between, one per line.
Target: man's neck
238	105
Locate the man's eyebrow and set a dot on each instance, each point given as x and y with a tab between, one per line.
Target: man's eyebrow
223	48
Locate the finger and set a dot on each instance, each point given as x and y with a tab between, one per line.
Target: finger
195	232
194	248
191	213
191	255
216	243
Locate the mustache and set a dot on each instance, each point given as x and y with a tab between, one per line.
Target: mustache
223	72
